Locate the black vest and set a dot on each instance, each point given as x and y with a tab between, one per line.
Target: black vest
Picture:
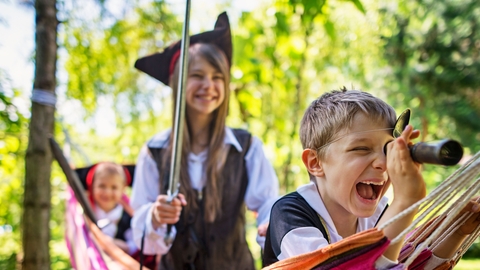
123	225
221	244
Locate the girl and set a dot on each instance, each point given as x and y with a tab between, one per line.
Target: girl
222	169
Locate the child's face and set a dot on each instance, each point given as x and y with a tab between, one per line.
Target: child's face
205	89
355	169
107	191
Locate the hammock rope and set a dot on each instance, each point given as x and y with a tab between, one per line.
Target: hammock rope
441	194
466	244
454	194
437	217
452	228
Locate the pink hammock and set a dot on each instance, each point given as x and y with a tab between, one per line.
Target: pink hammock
89	248
84	252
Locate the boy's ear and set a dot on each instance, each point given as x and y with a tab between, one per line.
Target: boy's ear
311	161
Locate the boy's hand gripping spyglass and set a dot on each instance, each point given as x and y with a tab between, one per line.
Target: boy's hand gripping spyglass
442	152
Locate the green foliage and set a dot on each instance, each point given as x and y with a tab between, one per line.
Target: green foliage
100	60
473	251
12	148
417	54
293	58
433	53
468	264
8	262
13	144
432	48
101	55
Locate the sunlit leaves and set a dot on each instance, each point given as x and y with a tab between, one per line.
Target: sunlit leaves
359	5
13	138
12	129
101	54
286	53
434	56
285	63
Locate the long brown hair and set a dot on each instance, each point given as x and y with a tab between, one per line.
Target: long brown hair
217	152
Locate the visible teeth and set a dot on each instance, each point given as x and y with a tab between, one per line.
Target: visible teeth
374	183
206	97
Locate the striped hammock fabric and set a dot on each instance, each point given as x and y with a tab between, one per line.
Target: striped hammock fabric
339	255
84	253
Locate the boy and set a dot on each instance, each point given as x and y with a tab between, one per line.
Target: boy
343	134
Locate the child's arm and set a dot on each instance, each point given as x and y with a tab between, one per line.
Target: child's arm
148	219
447	248
262	189
408	188
118	242
121	244
262	229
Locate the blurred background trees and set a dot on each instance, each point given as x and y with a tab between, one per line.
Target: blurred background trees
423	55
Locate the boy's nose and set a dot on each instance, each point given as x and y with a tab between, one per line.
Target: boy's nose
380	161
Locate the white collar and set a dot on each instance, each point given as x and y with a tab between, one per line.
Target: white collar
231	139
310	193
113	215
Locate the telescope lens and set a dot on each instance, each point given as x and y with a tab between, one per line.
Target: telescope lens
451	153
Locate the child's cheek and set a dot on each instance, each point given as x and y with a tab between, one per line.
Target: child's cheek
386	187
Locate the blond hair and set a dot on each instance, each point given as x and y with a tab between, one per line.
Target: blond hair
110	169
334	111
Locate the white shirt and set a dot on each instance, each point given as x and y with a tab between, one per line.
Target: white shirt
111	220
307	239
300	240
261	193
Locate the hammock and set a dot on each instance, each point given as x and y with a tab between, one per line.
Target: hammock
439	215
88	246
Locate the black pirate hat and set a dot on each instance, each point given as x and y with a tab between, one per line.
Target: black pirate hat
160	65
85	174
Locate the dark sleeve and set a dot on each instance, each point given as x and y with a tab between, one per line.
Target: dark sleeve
288	213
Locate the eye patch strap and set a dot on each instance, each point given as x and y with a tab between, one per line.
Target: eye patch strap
358	132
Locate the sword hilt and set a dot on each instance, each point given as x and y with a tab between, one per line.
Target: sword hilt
171	195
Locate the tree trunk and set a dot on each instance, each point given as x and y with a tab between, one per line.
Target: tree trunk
38	159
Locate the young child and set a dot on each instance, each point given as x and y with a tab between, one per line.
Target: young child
344	135
106	184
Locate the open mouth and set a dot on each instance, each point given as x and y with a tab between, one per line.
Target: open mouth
370	190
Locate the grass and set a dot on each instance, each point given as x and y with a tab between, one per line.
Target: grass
468	264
